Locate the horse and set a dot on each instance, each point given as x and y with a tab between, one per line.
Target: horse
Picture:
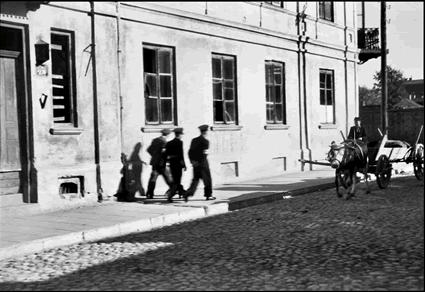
348	158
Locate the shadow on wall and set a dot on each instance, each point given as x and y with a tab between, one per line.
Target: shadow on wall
131	180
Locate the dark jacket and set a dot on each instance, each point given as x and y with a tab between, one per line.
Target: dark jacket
174	152
197	149
358	132
156	151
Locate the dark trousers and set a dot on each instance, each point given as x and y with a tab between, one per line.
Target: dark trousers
201	171
176	173
154	175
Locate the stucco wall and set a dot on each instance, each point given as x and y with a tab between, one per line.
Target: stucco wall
61	155
228	28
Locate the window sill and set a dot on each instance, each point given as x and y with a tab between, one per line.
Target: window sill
276	127
226	128
66	131
327	126
156	129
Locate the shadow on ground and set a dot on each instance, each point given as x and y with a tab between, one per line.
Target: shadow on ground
291	245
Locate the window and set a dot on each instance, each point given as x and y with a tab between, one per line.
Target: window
63	77
224	89
275	93
326	10
275	3
159	84
327	96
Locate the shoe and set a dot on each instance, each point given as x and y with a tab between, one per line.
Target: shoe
210	198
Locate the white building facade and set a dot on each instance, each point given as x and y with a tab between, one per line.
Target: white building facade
276	81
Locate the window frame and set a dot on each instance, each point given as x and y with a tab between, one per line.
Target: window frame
284	121
281	4
173	91
326	72
221	80
71	78
322	11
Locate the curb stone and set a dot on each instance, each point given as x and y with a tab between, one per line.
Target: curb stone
148	224
120	229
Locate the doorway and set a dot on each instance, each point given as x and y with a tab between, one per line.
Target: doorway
14	128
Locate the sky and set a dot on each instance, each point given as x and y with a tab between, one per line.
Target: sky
405	39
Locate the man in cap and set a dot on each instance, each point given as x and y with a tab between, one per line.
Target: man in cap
158	162
357	132
198	157
175	156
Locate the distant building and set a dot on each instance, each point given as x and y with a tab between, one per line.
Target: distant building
276	81
415	88
406	103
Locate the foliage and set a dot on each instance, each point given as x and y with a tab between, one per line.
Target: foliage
395	80
369	96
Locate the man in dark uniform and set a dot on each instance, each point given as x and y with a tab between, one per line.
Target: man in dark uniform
158	162
198	157
357	132
175	156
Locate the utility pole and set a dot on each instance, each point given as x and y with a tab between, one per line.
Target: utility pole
384	89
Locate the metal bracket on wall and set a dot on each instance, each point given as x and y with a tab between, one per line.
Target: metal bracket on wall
88	63
43	102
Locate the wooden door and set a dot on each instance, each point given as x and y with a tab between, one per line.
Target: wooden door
10	146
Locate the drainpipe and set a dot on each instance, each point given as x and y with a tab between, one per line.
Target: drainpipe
345	69
302	87
95	106
356	56
299	85
307	144
119	72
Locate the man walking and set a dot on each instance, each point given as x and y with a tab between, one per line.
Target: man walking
158	162
198	157
175	156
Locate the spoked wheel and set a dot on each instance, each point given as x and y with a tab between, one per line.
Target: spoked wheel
418	162
345	180
383	171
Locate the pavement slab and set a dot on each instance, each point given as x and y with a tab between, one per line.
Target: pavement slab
372	242
22	234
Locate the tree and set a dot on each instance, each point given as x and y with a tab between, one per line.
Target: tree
369	96
395	80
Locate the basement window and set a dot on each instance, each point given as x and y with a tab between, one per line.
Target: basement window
230	169
71	187
68	188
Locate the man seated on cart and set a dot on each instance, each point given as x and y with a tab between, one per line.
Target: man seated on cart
357	132
358	136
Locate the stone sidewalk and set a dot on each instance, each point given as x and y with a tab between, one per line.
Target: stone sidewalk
32	233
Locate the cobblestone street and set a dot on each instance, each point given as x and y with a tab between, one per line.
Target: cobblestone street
315	242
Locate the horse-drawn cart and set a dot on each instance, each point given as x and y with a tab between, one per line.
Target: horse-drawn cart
381	155
388	152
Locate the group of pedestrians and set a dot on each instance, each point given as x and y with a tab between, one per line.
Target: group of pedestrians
163	153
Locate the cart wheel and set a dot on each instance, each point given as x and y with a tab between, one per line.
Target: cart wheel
418	162
383	171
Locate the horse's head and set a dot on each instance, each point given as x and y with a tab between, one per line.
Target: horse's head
339	154
335	154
